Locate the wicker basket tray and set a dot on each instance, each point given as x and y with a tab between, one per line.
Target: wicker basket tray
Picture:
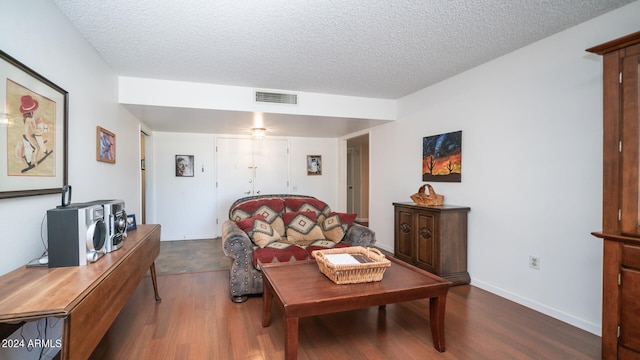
371	265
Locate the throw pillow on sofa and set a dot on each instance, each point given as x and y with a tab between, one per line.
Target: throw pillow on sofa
347	219
270	208
259	229
332	228
302	227
336	225
294	204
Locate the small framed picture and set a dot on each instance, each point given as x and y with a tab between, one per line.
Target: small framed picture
314	164
105	145
184	165
131	222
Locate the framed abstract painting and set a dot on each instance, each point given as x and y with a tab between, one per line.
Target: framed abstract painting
105	145
442	157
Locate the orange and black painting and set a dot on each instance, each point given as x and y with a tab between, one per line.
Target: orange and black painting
442	157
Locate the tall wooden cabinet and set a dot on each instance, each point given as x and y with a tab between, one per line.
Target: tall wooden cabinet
433	238
621	203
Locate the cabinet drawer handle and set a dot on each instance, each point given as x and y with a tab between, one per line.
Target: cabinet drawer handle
405	228
425	233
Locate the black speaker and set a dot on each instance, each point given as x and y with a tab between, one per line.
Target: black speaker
76	234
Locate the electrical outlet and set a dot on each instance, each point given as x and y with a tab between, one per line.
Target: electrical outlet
534	262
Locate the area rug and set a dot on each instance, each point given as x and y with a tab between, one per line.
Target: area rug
186	256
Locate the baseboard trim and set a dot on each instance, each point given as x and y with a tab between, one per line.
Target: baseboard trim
191	237
534	305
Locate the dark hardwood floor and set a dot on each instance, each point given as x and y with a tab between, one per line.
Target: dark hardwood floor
197	320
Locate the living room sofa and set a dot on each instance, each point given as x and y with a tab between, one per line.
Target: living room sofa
283	227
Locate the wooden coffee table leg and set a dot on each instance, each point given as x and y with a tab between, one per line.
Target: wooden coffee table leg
291	339
267	298
436	318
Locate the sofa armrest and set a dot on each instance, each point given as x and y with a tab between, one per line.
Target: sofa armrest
359	235
235	242
244	279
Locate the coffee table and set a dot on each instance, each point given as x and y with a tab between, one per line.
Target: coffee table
302	290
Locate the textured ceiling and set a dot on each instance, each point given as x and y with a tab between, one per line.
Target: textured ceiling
380	49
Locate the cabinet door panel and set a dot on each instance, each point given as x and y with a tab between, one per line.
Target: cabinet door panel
426	252
404	235
631	256
630	201
630	310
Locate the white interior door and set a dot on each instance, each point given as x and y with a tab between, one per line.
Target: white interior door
271	166
247	167
234	159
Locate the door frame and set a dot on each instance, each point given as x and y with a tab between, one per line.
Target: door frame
343	170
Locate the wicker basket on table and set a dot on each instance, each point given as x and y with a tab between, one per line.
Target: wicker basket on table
432	199
371	267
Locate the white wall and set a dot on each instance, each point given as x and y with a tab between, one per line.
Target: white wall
325	186
37	34
186	207
531	126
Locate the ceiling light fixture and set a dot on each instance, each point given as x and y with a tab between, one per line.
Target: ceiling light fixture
258	133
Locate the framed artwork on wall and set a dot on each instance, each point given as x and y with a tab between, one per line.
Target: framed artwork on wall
131	222
314	164
184	165
34	122
105	145
442	157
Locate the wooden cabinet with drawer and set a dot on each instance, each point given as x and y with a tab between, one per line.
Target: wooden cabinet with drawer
629	295
433	238
620	203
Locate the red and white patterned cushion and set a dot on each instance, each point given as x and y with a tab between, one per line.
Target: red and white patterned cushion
259	230
302	227
270	208
336	225
347	219
295	204
332	228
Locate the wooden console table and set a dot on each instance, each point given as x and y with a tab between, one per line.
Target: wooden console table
433	238
87	298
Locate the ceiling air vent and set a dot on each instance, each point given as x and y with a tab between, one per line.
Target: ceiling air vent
276	98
